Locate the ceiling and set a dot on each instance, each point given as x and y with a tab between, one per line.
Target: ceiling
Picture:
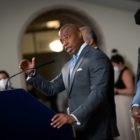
66	15
63	15
130	5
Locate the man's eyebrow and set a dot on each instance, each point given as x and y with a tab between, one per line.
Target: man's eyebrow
67	33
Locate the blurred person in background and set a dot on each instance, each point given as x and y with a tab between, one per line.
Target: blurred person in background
135	108
89	36
124	91
3	81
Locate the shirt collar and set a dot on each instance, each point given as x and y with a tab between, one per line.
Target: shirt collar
81	48
95	47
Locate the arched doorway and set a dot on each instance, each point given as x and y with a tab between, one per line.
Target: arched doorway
39	34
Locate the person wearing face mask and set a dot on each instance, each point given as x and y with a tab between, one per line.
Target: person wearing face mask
124	90
116	69
3	80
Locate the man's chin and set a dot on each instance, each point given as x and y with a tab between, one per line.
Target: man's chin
70	52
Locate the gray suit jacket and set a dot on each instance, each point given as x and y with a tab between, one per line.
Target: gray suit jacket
90	93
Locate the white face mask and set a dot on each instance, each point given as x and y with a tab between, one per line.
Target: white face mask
116	69
116	73
2	84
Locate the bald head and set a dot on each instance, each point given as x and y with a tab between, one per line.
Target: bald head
71	38
69	28
88	36
85	28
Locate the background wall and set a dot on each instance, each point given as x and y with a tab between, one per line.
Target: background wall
118	28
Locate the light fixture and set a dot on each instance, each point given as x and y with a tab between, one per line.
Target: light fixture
53	24
56	46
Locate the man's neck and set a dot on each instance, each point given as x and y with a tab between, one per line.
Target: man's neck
80	49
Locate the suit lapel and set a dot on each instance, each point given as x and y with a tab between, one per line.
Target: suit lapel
65	75
65	71
79	61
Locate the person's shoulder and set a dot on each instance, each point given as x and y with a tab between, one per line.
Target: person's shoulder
97	52
127	72
98	56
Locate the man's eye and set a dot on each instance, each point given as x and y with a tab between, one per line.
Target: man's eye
67	37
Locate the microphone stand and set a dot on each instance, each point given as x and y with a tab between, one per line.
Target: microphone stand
37	67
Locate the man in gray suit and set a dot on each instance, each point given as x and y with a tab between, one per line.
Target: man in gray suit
89	85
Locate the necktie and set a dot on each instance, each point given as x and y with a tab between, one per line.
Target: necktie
72	64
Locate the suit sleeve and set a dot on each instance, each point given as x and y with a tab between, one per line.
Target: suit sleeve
138	67
48	87
136	99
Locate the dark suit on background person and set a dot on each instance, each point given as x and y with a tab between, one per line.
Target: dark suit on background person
136	99
90	92
135	108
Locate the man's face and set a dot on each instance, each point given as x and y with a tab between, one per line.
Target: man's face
71	40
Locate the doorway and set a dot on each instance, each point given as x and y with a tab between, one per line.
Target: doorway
40	40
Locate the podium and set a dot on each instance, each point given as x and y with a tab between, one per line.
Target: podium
23	117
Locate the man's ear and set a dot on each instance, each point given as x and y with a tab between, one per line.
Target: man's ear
80	35
91	42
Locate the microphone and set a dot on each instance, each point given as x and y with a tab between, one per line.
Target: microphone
37	67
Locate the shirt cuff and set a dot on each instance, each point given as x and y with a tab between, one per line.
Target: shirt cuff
77	121
28	78
136	105
32	74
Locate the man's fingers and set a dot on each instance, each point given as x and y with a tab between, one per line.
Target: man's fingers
58	120
57	124
33	61
23	64
55	117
